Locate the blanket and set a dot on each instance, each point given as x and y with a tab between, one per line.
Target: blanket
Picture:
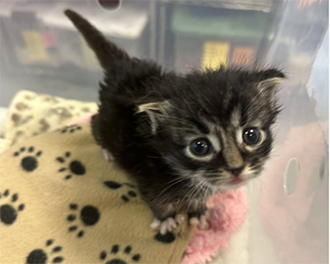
31	114
62	202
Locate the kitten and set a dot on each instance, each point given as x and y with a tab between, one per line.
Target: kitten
185	137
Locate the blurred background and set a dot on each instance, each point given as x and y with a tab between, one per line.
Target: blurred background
288	221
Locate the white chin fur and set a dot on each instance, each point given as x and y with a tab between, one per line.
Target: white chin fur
228	187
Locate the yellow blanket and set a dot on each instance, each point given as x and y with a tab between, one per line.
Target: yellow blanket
61	202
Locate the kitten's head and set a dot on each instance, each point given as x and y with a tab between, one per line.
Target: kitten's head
212	127
215	127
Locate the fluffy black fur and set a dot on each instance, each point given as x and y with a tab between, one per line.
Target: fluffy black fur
147	115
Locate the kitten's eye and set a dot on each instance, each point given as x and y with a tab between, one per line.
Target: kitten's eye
200	147
251	136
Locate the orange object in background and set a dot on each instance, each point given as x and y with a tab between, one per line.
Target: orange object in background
242	56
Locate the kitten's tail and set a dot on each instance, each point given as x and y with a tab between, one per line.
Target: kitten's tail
105	50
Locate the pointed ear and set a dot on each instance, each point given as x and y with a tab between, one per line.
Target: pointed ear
156	112
269	81
270	84
268	88
106	52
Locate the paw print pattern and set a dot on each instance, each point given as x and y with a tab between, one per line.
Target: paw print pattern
70	129
40	256
168	238
88	215
9	210
116	185
74	167
120	257
30	162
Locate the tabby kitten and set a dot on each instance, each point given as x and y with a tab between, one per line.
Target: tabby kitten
185	137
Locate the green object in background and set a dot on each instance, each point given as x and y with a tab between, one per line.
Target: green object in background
243	24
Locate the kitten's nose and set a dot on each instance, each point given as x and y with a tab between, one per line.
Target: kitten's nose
236	171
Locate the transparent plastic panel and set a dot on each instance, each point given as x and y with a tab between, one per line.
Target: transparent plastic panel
288	219
290	209
42	51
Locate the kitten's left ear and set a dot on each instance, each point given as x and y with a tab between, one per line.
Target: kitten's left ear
156	112
270	84
270	80
267	91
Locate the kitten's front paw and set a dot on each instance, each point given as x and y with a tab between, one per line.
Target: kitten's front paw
201	221
167	225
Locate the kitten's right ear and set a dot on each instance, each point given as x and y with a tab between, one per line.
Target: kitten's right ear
156	111
105	51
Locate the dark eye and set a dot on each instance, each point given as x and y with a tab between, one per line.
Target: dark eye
251	136
200	147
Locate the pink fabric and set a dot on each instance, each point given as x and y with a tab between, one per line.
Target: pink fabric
228	211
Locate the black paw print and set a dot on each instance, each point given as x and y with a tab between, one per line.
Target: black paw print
168	238
118	257
40	256
116	185
8	211
70	129
89	216
75	167
30	162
